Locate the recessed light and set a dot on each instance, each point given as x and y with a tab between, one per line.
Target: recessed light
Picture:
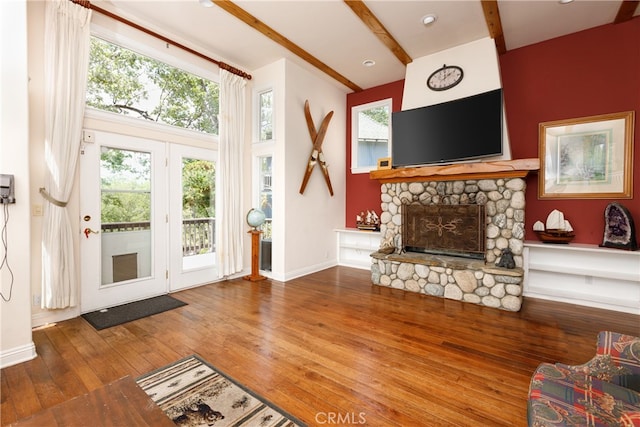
368	62
565	1
205	3
429	19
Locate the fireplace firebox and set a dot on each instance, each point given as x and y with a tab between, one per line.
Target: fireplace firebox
457	230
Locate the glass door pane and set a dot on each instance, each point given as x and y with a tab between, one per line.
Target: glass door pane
125	187
192	216
266	205
198	213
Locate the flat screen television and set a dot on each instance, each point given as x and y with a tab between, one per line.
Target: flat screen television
462	129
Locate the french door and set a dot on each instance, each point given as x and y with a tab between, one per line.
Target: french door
192	216
147	217
123	200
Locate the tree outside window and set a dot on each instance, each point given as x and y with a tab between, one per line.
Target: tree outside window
124	82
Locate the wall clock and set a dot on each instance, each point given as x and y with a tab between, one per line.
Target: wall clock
445	78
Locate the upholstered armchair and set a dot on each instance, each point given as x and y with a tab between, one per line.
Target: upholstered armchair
605	391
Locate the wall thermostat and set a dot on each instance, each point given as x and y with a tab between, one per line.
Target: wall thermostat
7	193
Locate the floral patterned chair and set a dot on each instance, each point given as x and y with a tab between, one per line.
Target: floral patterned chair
602	392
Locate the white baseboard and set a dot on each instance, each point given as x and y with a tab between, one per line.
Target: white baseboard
16	355
47	317
576	299
308	270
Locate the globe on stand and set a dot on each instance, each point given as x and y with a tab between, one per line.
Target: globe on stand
255	218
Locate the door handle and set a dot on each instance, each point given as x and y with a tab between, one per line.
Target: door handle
88	231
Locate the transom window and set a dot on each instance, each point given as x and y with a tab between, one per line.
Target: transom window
124	82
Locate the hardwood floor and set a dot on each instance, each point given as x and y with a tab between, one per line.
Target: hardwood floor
329	348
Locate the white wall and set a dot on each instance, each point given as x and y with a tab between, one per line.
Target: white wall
272	77
479	61
303	224
16	343
312	217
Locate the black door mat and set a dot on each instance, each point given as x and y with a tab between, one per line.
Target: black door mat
108	317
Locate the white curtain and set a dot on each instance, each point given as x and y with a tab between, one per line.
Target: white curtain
230	218
66	60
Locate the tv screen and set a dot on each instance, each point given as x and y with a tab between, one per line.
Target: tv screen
462	129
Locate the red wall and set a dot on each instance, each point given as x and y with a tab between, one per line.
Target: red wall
362	192
592	72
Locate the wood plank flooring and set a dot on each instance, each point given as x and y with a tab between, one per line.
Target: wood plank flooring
121	403
329	348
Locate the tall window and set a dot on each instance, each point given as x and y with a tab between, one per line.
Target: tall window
127	83
371	135
265	103
265	193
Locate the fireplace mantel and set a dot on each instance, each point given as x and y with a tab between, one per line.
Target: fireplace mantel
519	168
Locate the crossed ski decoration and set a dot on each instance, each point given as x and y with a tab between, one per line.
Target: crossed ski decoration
316	155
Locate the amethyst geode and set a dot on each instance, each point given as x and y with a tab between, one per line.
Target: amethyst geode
619	230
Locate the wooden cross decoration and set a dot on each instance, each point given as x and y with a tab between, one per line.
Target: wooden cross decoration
316	155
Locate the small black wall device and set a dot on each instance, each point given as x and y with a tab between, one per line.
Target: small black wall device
7	194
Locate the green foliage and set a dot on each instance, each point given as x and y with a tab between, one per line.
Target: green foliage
124	82
266	116
198	189
125	207
126	185
379	114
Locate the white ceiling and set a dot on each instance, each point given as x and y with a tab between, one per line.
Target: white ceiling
331	32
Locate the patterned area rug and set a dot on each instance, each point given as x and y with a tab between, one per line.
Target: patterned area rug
193	393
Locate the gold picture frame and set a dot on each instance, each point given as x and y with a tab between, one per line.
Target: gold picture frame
587	158
384	163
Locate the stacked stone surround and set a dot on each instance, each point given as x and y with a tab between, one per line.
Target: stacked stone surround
458	278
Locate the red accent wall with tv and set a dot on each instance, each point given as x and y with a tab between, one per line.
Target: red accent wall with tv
588	73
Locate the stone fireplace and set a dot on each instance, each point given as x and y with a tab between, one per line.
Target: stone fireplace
484	202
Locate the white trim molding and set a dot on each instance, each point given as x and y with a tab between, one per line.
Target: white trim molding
16	355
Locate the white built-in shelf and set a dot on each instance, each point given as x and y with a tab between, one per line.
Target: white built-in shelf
583	274
355	247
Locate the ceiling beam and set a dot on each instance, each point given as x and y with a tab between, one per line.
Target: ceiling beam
492	17
373	23
626	10
263	28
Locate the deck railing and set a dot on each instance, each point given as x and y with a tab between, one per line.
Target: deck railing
198	235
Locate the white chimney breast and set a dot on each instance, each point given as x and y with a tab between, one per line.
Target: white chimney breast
479	61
